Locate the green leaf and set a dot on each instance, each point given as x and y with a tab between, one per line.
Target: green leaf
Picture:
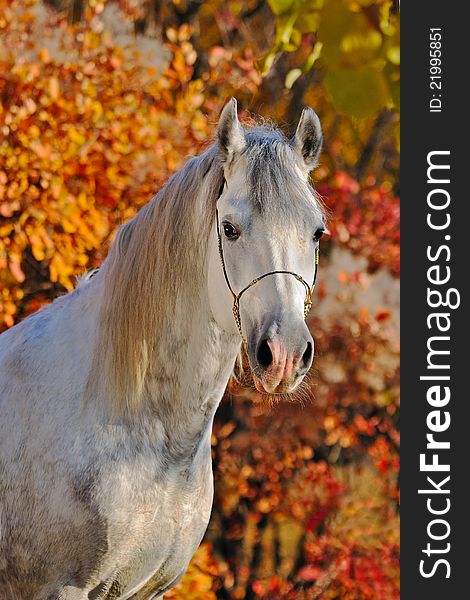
292	77
280	7
285	27
336	22
362	41
393	55
308	21
264	63
312	57
358	92
294	41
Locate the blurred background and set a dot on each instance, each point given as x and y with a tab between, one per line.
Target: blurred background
100	101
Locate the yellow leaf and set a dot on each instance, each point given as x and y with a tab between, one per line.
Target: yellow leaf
37	247
68	226
44	55
82	201
34	131
97	108
76	136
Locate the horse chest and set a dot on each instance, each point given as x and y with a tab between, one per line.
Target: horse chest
154	529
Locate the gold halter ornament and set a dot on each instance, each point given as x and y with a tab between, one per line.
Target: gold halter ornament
236	297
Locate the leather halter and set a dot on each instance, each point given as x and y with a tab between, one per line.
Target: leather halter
309	289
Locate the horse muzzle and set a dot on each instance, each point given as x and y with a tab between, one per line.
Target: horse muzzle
279	362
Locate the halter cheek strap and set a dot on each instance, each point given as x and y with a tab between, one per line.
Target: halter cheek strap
236	297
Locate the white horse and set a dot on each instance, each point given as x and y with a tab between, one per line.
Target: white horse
107	396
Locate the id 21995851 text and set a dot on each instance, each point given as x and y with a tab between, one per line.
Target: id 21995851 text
435	70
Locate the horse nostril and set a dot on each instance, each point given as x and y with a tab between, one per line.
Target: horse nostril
307	355
263	354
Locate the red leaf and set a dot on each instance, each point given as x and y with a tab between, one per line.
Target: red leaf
309	573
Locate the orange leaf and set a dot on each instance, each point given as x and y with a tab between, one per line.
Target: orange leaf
54	88
16	270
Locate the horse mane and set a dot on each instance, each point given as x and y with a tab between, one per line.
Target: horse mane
155	258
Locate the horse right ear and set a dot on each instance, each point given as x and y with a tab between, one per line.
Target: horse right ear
229	132
308	139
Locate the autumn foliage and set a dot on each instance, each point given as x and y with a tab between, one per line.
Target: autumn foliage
85	143
306	495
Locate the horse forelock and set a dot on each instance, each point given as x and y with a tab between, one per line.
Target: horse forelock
274	180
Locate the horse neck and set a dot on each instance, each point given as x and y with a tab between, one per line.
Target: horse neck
185	386
190	365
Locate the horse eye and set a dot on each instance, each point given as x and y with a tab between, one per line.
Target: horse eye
230	231
318	234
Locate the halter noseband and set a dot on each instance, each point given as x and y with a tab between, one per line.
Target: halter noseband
236	297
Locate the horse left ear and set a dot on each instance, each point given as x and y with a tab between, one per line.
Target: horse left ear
308	138
229	132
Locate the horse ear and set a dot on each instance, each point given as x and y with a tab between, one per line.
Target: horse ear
308	138
229	132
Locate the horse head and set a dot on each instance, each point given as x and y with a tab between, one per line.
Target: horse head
268	224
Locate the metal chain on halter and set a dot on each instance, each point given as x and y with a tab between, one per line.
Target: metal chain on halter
236	297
